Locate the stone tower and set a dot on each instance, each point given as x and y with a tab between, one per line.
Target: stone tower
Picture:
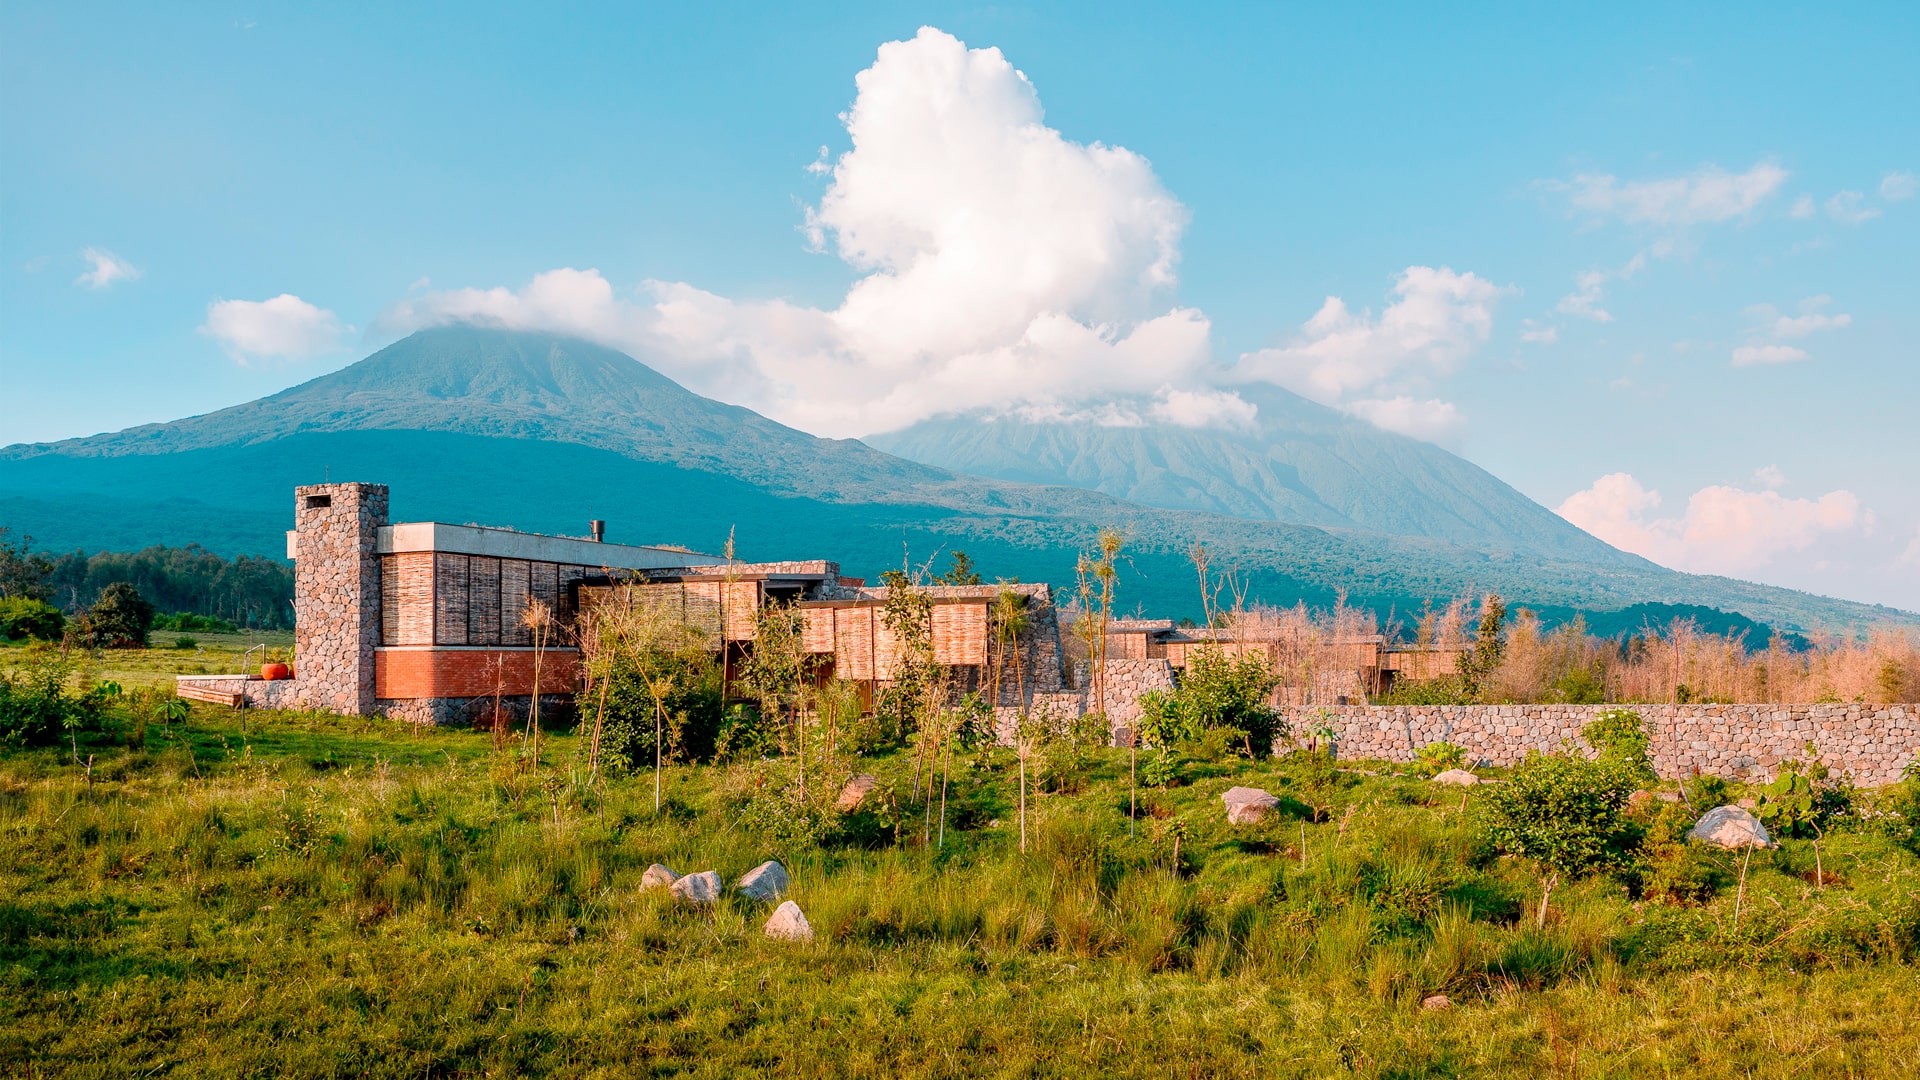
336	589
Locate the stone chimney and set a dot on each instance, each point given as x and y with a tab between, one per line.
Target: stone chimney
336	593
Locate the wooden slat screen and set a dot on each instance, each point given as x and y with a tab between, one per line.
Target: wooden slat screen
449	599
515	587
483	601
960	634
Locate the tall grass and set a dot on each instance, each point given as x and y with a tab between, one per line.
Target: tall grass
330	898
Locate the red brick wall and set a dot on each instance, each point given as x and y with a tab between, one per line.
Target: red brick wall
434	673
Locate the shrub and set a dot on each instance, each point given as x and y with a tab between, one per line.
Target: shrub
121	618
1804	800
1436	758
1669	870
39	703
1220	696
26	617
1621	742
1563	813
201	624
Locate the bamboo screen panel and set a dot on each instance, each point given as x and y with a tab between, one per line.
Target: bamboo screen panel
449	599
738	600
483	601
960	634
816	630
853	645
516	585
406	598
702	613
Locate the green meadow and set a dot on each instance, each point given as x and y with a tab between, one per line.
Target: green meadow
317	896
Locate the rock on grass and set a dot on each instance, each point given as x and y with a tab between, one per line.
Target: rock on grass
789	923
766	883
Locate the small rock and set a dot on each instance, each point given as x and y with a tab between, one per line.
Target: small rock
855	793
700	889
1456	776
1746	804
789	923
1246	805
1730	827
1437	1001
657	877
766	882
1640	799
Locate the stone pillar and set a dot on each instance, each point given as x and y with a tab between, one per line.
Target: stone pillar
336	593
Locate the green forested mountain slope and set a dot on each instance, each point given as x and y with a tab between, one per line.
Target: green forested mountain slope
1299	462
543	433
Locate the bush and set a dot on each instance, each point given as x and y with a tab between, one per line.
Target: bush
39	704
121	619
199	624
1804	800
1621	742
1436	758
1670	870
1563	813
1220	696
26	617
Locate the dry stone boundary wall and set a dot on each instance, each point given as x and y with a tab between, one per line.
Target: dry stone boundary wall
1739	742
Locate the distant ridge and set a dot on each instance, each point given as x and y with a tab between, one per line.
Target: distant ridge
543	432
1297	462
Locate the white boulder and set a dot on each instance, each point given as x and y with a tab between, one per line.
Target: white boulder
789	923
1246	805
766	883
658	877
1456	776
699	889
1730	827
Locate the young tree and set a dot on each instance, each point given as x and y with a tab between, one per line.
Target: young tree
960	571
24	573
1098	575
540	623
777	671
1563	813
1489	647
1009	620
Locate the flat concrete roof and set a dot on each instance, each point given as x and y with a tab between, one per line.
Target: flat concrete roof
537	547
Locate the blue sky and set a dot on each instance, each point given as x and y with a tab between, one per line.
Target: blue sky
1607	255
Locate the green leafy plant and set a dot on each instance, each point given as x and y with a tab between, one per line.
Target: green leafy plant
30	617
1563	813
1621	741
1438	757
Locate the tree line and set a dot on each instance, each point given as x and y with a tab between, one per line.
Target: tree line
246	590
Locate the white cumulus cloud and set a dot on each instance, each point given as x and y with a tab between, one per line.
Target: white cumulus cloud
1001	263
1724	530
1371	365
104	268
284	327
1431	419
1203	409
1896	186
1705	196
1590	290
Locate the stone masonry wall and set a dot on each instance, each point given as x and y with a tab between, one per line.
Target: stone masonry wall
1872	742
336	593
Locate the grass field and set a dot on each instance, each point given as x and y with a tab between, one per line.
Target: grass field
326	896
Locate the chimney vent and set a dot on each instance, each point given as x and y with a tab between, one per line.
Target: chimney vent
599	530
